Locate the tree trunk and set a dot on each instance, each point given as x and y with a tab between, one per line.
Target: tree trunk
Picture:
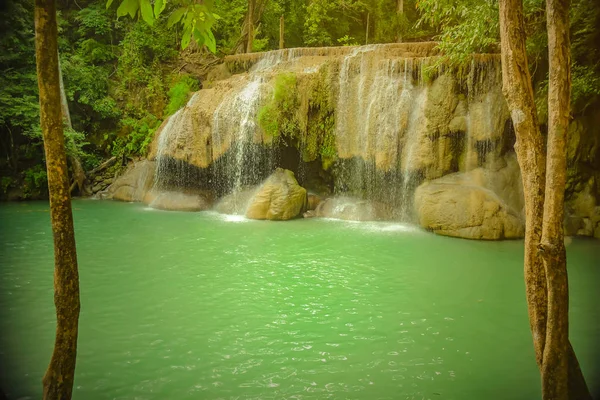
399	13
517	89
250	41
545	261
557	382
255	11
58	380
281	44
367	32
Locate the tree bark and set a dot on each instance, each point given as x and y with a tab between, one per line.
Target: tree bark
58	380
518	91
281	43
545	260
399	13
250	41
249	24
557	382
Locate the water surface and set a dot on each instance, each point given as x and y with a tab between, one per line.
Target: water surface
206	306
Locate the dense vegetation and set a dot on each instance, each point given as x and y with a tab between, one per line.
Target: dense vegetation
122	76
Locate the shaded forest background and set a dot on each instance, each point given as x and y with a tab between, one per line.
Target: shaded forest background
123	77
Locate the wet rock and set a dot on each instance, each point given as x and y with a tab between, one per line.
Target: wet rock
309	214
235	203
178	201
134	183
313	201
459	205
280	197
353	209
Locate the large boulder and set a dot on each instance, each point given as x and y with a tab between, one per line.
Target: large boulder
178	201
133	185
353	209
458	205
280	197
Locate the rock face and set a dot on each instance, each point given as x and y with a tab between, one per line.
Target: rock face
278	198
134	183
352	209
461	205
177	201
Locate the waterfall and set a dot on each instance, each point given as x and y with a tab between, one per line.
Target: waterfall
174	137
235	128
379	112
394	126
414	132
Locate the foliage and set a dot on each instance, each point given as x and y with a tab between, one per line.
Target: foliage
466	27
35	181
227	28
327	21
5	183
179	94
195	19
278	117
320	137
140	133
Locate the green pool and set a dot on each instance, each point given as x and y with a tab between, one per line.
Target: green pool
207	306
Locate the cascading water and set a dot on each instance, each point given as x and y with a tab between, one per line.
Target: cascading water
235	127
379	117
393	128
414	132
175	135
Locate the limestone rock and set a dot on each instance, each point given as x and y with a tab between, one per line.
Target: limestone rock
313	201
353	209
235	203
278	198
178	201
457	205
134	183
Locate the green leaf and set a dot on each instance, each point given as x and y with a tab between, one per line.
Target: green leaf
147	13
211	43
176	16
128	7
108	4
159	7
186	37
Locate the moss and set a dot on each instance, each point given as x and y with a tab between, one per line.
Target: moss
306	120
277	117
320	133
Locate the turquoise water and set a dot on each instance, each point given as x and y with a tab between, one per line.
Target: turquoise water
205	306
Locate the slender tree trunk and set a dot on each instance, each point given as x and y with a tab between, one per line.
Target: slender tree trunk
250	42
367	33
557	382
79	179
399	13
281	43
545	261
256	7
516	85
58	380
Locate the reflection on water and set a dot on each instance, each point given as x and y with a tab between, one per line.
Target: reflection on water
189	305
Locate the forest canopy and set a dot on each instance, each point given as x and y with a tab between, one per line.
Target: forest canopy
123	76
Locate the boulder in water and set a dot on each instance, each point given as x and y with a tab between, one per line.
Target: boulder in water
236	202
313	201
353	209
134	183
280	197
456	205
178	201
